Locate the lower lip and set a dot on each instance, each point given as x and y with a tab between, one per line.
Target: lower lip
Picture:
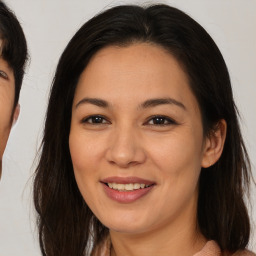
126	196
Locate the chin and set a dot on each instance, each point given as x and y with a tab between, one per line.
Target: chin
125	225
127	230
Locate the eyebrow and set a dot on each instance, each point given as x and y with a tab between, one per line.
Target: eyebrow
146	104
161	101
93	101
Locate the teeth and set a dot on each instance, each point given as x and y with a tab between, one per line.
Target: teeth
136	186
127	187
120	186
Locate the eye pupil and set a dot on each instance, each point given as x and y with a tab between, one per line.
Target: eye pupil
159	120
97	119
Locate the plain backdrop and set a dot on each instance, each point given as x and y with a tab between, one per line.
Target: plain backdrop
49	25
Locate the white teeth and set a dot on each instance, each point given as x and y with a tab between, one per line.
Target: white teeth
127	187
136	186
120	186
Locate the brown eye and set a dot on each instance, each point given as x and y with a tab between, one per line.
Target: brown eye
95	120
161	120
3	74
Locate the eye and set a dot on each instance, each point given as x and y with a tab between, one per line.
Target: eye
3	74
160	121
96	119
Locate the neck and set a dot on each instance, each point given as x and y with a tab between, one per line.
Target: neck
174	244
179	237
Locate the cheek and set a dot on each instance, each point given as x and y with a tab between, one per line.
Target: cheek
3	140
84	150
86	154
5	122
178	159
177	151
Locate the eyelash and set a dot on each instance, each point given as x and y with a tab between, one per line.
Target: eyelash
95	117
164	120
3	74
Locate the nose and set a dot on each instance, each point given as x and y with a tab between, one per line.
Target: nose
125	148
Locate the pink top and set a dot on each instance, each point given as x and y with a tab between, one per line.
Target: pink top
210	249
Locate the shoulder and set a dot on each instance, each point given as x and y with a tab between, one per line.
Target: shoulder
244	253
211	248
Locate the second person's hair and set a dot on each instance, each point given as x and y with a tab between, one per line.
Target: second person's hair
14	46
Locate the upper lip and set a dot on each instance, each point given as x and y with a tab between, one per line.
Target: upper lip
127	180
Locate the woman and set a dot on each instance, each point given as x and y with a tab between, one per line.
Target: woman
13	56
142	152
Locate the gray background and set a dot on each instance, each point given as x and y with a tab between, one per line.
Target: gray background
49	25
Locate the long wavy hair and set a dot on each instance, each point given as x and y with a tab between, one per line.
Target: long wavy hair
66	224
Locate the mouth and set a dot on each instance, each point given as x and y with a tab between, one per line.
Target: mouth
126	189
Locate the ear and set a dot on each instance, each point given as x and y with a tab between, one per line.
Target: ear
16	114
214	144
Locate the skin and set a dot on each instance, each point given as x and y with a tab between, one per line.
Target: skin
129	142
7	114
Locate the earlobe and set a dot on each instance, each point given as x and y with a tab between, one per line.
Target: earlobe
16	114
214	144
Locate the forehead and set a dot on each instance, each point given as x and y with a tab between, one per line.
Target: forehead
3	62
4	66
138	61
138	69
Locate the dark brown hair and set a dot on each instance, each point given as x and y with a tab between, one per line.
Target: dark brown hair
66	224
14	46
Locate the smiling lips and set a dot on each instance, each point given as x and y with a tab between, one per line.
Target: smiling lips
127	187
126	190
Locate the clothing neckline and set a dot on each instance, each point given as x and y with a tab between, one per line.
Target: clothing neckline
210	248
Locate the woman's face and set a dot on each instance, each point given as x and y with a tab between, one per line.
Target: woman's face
136	139
7	89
